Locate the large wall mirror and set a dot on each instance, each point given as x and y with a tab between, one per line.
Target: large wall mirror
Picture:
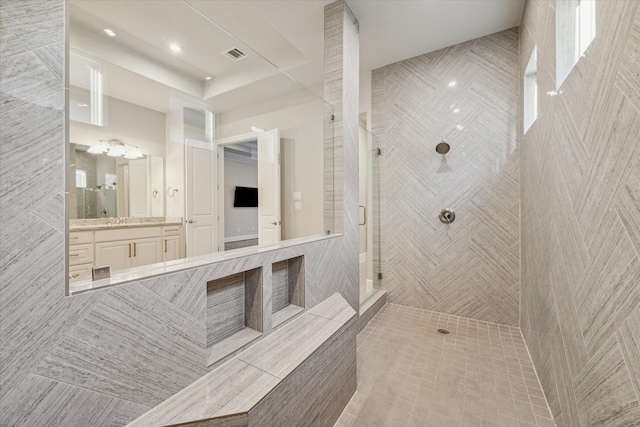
183	141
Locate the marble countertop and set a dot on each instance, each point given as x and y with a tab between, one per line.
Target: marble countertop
103	223
116	226
133	274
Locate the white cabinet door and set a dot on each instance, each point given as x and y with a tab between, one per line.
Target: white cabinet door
202	201
171	248
117	255
82	271
80	254
146	251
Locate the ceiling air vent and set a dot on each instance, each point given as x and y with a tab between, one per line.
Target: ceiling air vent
235	54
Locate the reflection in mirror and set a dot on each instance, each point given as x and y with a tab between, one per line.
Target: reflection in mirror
184	141
109	185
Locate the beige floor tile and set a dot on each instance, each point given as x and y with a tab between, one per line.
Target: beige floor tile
479	375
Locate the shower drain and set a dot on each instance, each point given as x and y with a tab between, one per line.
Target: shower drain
443	331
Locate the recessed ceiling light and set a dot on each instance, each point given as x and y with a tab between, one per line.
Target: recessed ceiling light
207	78
175	47
460	127
109	32
457	110
452	84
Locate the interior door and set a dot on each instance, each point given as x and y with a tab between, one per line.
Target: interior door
269	224
201	200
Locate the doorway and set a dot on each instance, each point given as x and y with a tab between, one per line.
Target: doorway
240	195
249	171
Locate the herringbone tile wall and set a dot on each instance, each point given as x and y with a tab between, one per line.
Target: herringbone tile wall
104	357
466	94
580	312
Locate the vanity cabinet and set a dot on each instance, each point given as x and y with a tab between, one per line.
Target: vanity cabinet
171	242
123	248
126	248
146	251
117	255
81	254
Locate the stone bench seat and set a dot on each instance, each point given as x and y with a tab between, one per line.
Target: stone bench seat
301	374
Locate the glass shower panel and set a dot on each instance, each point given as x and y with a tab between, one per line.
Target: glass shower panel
369	215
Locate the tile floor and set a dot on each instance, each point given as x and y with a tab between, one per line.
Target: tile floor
479	375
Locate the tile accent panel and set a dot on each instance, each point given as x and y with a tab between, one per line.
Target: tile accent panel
580	210
469	268
104	357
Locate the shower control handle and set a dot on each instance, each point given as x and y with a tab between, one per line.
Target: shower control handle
447	216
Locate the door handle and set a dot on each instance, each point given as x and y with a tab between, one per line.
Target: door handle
129	250
191	221
365	215
134	250
275	223
165	245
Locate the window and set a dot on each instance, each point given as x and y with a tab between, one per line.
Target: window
531	91
86	98
575	30
81	179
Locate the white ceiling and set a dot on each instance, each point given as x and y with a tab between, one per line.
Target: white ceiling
141	50
394	30
288	33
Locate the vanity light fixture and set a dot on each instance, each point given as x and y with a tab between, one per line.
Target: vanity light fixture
116	148
98	149
116	151
175	47
133	154
109	32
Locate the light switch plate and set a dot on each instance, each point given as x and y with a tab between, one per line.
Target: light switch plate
99	273
298	206
297	195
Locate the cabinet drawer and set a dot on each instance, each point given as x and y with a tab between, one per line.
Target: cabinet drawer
171	230
80	237
80	254
127	234
82	271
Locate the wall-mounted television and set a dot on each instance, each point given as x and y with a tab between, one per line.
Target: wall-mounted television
245	197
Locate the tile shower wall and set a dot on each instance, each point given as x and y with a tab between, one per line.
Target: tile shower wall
580	171
104	357
467	95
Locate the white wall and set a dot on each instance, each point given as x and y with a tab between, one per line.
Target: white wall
365	96
300	118
127	122
174	163
239	221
